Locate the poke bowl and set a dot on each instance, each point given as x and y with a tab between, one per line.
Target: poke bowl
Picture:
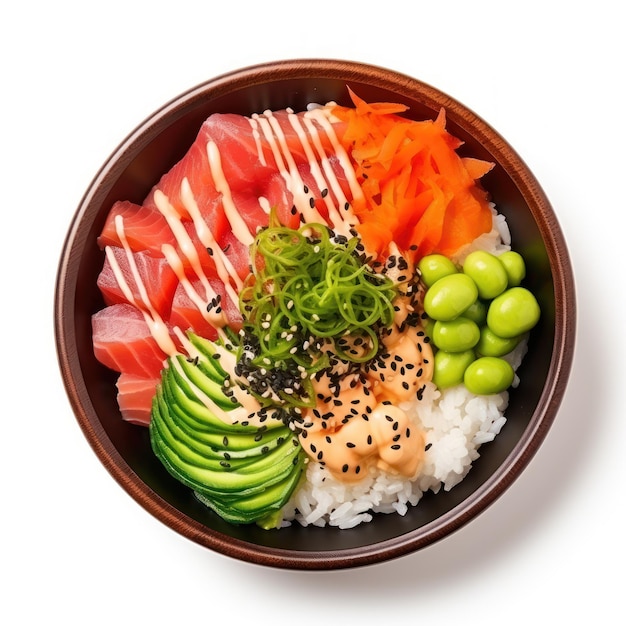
254	487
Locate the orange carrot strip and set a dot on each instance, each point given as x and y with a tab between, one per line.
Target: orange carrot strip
417	189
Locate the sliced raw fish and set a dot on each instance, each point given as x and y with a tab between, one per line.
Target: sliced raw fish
144	227
154	289
134	396
123	341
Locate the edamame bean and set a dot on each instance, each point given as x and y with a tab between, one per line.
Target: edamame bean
491	344
449	367
513	313
477	312
450	296
435	266
456	335
488	375
514	266
487	272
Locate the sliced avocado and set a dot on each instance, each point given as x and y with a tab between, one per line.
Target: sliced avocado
196	452
202	379
245	473
262	508
215	482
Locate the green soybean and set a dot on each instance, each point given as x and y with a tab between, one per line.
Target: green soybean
488	375
487	272
457	335
513	313
450	296
491	344
477	312
449	367
435	266
514	266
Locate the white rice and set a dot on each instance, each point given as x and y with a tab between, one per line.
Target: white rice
455	424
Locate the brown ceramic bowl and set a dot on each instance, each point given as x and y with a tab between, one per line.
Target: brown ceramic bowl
148	152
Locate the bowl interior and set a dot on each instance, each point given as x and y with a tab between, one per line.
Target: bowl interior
153	148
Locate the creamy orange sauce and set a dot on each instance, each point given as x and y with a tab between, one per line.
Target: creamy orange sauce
357	423
399	377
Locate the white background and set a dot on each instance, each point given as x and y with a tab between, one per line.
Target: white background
76	78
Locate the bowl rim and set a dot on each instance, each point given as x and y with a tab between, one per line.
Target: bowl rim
517	460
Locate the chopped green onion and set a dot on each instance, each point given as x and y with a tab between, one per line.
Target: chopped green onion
312	295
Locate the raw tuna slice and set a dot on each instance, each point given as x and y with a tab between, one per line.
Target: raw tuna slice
193	170
157	281
134	397
122	341
145	228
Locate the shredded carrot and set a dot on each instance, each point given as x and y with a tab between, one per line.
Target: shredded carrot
417	190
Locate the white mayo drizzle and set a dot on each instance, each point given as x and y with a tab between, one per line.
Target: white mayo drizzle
225	269
322	115
287	166
257	140
176	263
189	250
157	326
264	203
239	227
327	179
